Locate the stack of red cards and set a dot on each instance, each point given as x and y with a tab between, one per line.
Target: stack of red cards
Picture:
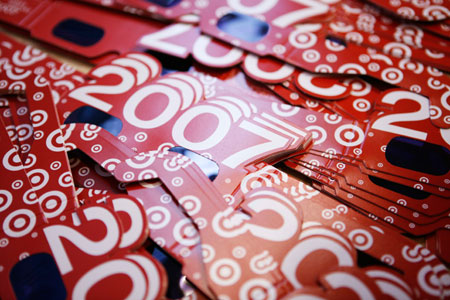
234	149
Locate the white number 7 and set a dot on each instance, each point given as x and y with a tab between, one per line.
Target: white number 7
275	141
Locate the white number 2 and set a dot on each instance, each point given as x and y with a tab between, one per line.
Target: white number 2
385	122
95	248
275	141
83	94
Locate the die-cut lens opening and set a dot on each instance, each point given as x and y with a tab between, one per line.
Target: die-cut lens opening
399	188
209	167
243	27
173	269
91	115
365	260
336	40
78	32
165	3
171	63
418	156
37	277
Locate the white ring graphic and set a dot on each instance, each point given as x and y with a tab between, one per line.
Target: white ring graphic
349	135
225	272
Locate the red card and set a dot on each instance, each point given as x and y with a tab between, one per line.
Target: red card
155	9
421	131
434	11
66	24
167	223
176	119
254	231
364	233
404	219
420	202
20	61
57	195
310	48
220	225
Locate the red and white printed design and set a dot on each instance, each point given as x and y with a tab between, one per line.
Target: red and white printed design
297	46
346	134
393	213
176	98
40	205
84	258
366	25
20	62
440	29
433	10
254	232
355	182
335	135
183	11
363	238
54	196
227	234
44	17
365	234
114	80
400	112
308	47
89	256
167	223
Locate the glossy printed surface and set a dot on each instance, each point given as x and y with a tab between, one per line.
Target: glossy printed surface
246	159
